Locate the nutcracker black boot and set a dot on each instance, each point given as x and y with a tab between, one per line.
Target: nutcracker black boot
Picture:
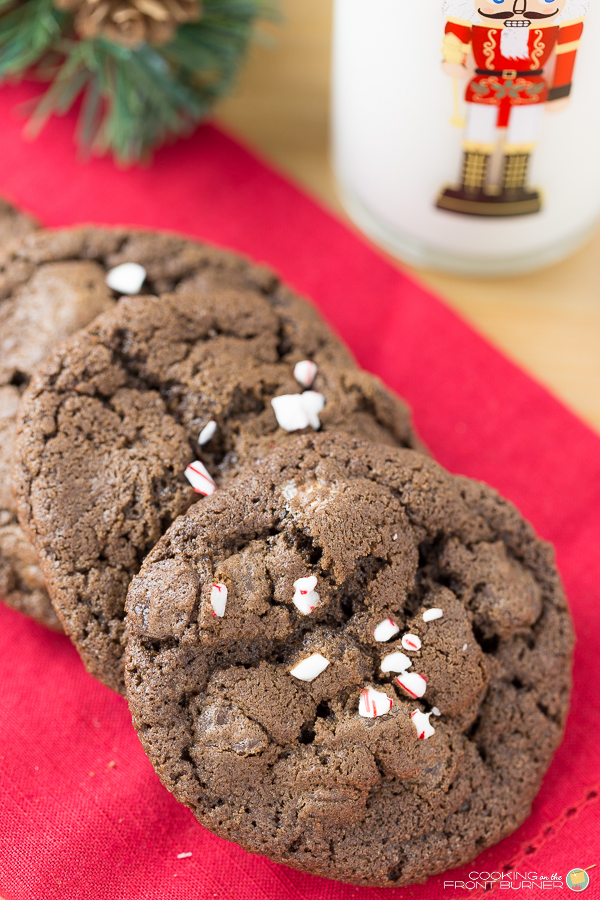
469	197
475	198
515	198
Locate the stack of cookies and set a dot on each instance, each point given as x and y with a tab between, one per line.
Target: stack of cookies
335	653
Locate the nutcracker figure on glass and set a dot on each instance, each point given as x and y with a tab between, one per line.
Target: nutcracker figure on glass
518	58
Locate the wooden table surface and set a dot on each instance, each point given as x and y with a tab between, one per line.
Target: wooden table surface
548	322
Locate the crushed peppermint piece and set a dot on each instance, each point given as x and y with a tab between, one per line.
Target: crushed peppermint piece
436	711
290	490
465	647
385	630
310	668
208	432
313	403
430	615
183	855
373	703
127	278
197	475
395	662
414	685
306	598
218	599
395	538
421	722
289	412
297	411
305	372
411	642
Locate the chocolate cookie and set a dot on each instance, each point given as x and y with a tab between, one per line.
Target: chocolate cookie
45	295
352	662
53	283
156	390
13	223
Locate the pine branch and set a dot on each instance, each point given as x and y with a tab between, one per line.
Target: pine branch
27	31
133	100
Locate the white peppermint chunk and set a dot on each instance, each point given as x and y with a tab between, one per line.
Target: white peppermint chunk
297	411
197	475
305	372
430	615
395	662
306	598
218	599
436	711
313	403
373	703
127	278
414	685
385	630
421	722
290	490
310	668
411	642
289	412
208	432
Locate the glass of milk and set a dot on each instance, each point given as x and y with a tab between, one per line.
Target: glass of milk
466	133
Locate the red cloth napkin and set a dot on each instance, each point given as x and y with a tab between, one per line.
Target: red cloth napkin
82	814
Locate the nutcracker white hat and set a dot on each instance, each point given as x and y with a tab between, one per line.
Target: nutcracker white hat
466	10
462	9
574	9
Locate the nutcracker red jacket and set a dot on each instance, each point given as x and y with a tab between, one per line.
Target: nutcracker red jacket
485	43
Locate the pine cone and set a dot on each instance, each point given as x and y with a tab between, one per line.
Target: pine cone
131	22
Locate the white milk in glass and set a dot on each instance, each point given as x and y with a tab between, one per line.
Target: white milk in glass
466	133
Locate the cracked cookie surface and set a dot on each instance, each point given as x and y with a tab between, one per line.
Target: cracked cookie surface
53	283
286	720
113	418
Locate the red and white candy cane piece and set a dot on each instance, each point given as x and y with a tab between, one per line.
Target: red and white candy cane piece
310	668
415	685
411	642
430	615
385	630
306	598
395	662
305	372
218	599
421	722
197	475
373	703
208	432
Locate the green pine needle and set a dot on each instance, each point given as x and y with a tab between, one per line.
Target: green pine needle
26	33
132	100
